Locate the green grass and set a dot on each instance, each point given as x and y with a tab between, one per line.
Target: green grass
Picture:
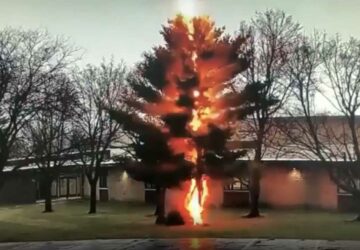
125	220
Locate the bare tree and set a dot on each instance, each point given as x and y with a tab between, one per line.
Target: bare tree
49	130
100	88
332	140
27	60
272	35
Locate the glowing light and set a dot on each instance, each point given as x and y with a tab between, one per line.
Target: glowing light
194	57
195	123
195	201
124	176
295	175
200	116
187	7
191	155
196	93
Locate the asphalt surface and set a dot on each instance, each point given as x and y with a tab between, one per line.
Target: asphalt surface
183	244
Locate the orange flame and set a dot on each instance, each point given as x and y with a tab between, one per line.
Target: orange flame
195	123
194	201
195	198
192	155
200	116
206	109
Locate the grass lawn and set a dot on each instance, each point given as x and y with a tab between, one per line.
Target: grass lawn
121	220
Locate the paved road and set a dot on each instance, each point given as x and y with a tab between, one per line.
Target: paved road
184	244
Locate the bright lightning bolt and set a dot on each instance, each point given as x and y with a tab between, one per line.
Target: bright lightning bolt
187	7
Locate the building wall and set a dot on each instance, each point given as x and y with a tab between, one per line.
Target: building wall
120	187
347	203
123	188
18	189
216	189
280	187
291	187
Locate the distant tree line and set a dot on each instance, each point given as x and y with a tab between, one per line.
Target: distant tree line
50	108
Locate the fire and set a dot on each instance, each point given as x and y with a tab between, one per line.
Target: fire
203	109
195	123
185	96
192	155
196	93
184	146
195	200
200	116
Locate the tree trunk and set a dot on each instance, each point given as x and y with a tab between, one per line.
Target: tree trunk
254	189
160	219
48	200
157	197
254	172
199	188
92	197
4	155
82	191
357	218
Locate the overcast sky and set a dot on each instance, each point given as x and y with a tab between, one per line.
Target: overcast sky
126	28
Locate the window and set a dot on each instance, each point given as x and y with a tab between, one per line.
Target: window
149	186
72	186
63	186
344	192
239	184
103	181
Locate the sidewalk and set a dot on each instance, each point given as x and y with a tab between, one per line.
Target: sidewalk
184	244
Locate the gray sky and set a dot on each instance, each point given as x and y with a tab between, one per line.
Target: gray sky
126	28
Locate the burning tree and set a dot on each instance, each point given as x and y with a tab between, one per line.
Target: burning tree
183	112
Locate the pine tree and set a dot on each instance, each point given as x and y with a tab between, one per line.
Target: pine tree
183	111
